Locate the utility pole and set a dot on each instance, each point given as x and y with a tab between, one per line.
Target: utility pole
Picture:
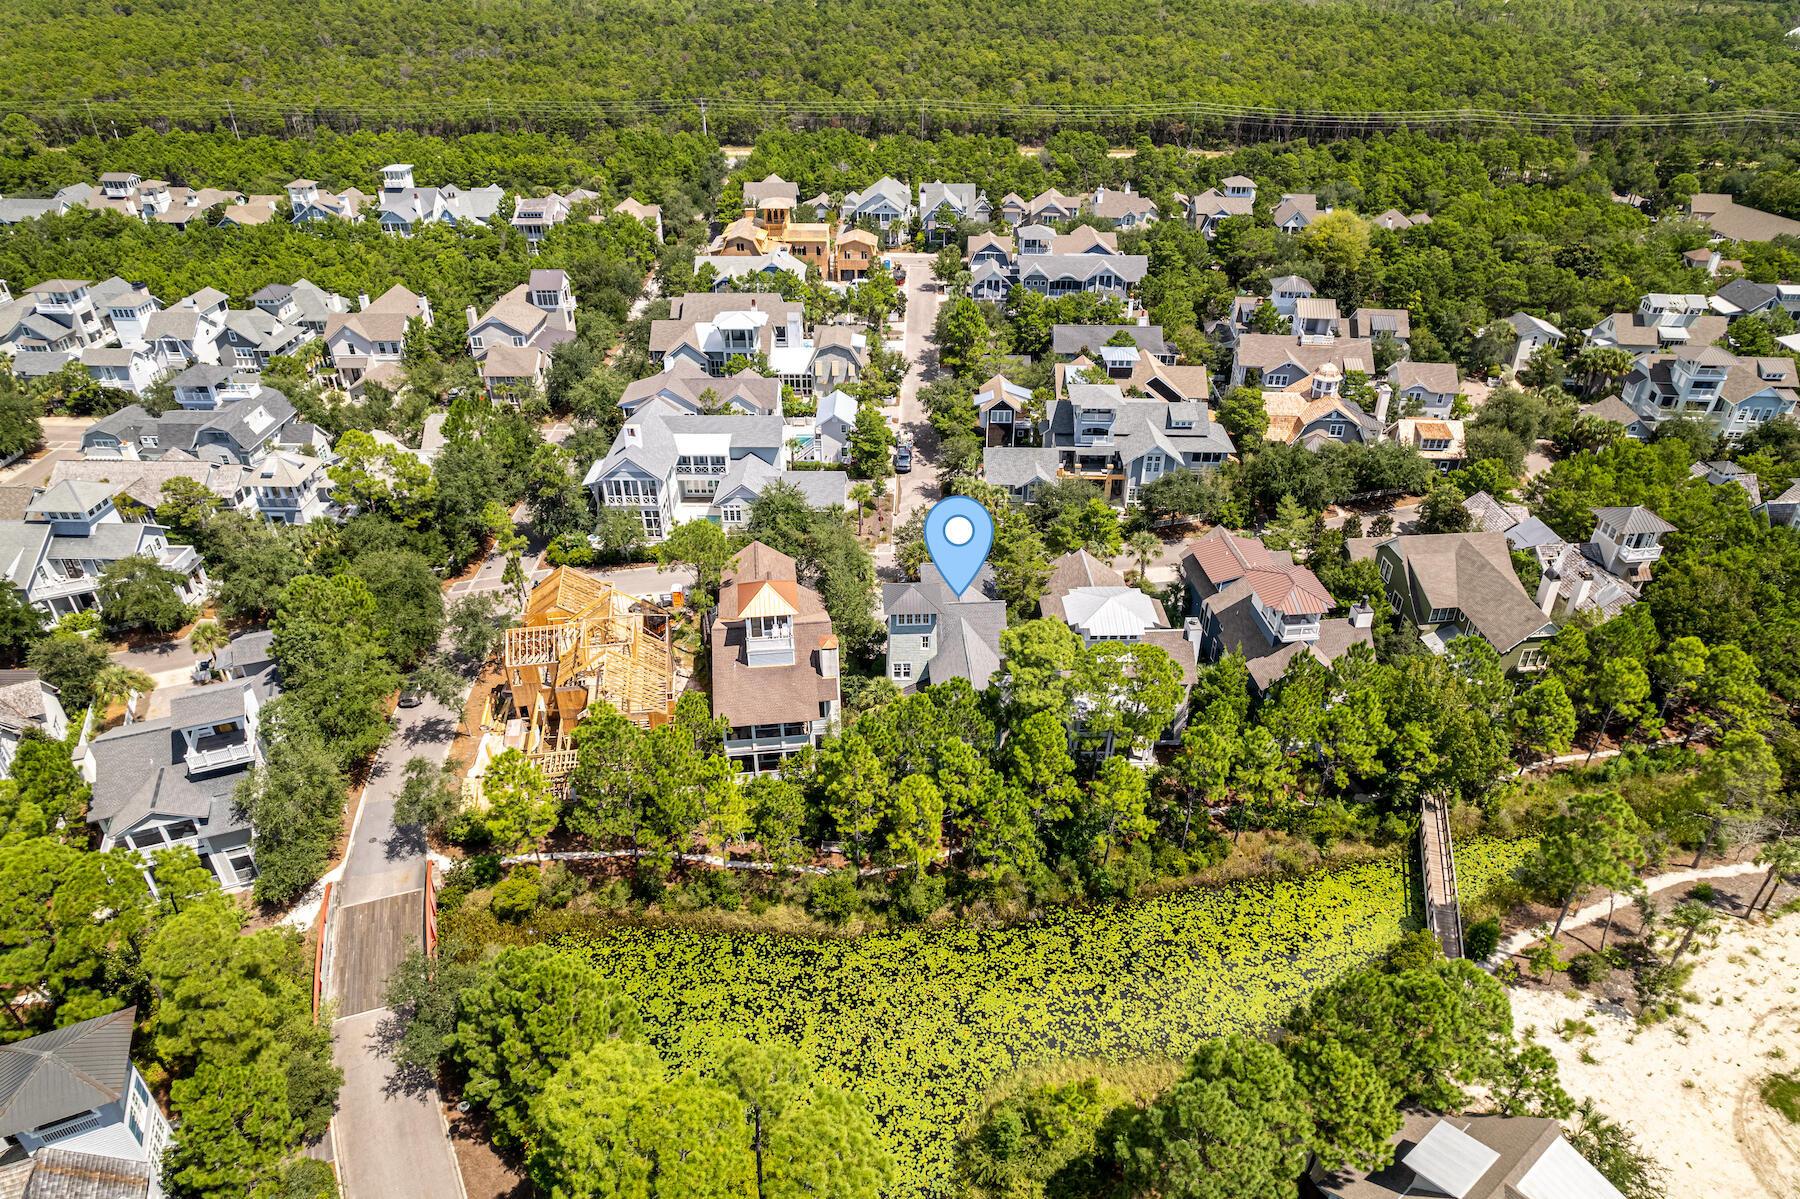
703	132
233	116
93	128
490	114
921	120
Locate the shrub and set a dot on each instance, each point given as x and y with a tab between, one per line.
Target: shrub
916	899
1782	1092
834	897
484	871
1481	938
1585	968
1414	951
517	897
557	885
83	621
1702	891
569	549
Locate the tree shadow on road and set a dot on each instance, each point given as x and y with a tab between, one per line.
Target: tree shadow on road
409	1081
433	729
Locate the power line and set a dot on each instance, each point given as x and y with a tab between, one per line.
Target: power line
487	110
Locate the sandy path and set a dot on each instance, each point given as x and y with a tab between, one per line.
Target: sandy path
1689	1087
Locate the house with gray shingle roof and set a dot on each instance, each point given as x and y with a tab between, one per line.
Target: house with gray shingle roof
70	534
1124	444
935	634
1296	211
1711	384
170	781
27	705
367	344
124	307
1125	208
74	1104
1425	388
670	467
887	202
1614	409
241	432
956	203
1784	509
123	368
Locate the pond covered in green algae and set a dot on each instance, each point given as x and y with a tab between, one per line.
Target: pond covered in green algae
922	1022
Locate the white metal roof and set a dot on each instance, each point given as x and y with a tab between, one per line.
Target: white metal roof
1450	1159
1562	1173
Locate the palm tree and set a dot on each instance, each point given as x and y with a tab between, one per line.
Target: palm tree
115	683
1143	545
1782	858
863	497
1694	919
208	638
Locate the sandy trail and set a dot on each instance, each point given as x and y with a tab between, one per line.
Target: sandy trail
1689	1087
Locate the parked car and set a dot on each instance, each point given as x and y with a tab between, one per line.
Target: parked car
410	698
903	460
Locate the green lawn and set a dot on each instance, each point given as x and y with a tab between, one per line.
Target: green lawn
921	1023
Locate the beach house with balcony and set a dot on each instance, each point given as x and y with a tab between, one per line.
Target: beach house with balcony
774	662
1249	600
77	1120
167	782
70	534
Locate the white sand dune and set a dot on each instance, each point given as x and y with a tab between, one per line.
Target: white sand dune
1689	1088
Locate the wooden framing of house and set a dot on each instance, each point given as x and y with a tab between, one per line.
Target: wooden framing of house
582	641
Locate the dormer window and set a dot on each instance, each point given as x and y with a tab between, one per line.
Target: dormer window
1434	444
766	628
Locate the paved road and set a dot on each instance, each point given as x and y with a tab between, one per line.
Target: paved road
62	443
388	1137
918	489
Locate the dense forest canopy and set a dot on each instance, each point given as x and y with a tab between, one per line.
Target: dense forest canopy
187	58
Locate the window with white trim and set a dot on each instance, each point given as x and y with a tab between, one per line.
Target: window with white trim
902	671
912	620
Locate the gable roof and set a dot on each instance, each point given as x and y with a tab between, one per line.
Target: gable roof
1634	519
1438	378
1473	573
65	1072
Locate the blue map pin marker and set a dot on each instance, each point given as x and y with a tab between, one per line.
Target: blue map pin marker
959	532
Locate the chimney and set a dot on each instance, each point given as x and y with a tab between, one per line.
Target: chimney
470	315
1100	193
828	656
1362	614
1191	630
362	300
794	333
1383	395
1583	586
1546	593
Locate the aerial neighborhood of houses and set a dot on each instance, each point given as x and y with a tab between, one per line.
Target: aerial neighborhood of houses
739	393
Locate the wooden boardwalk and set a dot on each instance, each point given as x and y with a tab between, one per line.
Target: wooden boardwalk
1437	865
367	941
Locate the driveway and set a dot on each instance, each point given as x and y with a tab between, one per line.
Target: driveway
919	488
388	1137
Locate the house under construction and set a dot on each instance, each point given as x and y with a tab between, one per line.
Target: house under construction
581	641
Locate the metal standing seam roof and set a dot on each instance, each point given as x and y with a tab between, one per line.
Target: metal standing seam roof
65	1072
1635	519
